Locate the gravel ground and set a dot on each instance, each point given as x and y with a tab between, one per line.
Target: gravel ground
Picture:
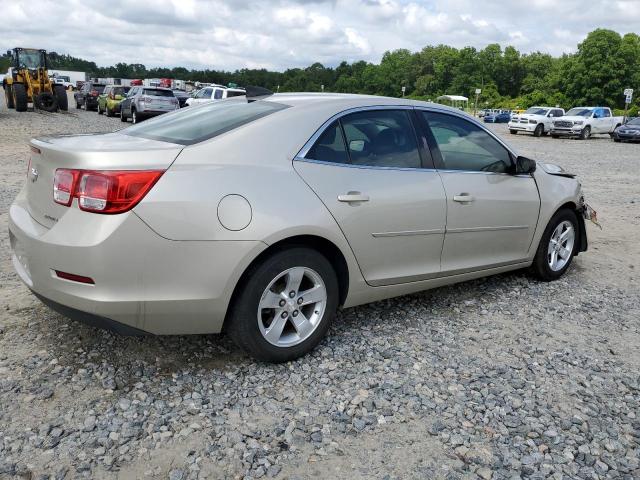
500	378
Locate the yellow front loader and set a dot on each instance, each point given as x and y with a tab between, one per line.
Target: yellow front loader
28	82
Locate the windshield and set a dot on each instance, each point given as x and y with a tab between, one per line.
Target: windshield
157	92
579	112
30	59
196	124
537	111
634	121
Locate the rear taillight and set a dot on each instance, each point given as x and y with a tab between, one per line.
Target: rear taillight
103	191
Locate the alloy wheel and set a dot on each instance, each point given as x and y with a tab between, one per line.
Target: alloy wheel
292	306
560	246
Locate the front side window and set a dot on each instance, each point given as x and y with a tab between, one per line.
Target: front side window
462	145
381	138
330	146
193	125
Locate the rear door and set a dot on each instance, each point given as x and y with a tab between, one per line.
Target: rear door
491	214
374	174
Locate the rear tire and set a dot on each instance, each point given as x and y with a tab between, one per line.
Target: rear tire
250	320
8	97
46	101
123	117
542	262
20	97
538	130
134	116
86	105
61	97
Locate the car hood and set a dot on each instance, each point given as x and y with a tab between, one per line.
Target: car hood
572	118
528	116
634	128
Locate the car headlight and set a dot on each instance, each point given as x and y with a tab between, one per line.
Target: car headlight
578	122
533	121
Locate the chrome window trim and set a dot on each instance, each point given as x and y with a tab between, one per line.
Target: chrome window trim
300	156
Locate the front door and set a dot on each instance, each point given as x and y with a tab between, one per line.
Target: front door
491	213
368	170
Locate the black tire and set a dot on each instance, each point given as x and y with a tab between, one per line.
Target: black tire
513	132
20	99
61	97
242	321
539	130
617	140
554	136
8	97
540	266
78	104
123	117
46	101
585	133
135	118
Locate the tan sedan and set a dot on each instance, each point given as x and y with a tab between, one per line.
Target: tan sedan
263	215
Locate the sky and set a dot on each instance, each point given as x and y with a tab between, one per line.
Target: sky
281	34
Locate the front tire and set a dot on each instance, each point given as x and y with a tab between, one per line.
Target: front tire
20	99
557	246
513	132
585	133
539	130
285	305
61	97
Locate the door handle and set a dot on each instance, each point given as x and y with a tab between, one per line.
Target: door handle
353	197
463	198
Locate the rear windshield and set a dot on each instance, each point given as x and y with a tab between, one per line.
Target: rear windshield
156	92
196	124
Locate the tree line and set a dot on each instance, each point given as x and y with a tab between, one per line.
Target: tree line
604	64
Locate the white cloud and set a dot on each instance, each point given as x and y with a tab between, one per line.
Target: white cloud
277	34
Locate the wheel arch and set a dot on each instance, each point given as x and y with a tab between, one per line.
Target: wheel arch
581	245
322	245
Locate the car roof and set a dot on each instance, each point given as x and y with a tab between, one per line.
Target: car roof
346	100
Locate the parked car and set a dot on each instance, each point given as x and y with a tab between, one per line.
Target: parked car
111	98
87	95
145	102
536	120
582	122
214	92
498	117
64	81
263	217
629	132
182	97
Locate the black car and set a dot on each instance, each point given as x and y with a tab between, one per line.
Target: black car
629	132
182	96
87	95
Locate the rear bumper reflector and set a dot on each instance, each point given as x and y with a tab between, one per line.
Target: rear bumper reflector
75	278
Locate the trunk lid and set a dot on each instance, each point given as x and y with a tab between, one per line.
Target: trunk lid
111	151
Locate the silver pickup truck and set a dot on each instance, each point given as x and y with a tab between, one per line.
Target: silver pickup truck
582	122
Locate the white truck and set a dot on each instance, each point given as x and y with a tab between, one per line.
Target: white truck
213	93
69	77
582	122
536	120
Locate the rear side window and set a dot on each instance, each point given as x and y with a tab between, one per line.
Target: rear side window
235	93
196	124
381	138
330	146
217	94
153	92
462	145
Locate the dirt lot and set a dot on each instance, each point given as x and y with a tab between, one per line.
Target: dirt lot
498	378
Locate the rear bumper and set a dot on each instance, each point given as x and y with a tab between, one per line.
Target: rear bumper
142	281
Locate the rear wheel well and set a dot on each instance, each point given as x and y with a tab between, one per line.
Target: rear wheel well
320	244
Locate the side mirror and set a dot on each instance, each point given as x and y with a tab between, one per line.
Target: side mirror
525	166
